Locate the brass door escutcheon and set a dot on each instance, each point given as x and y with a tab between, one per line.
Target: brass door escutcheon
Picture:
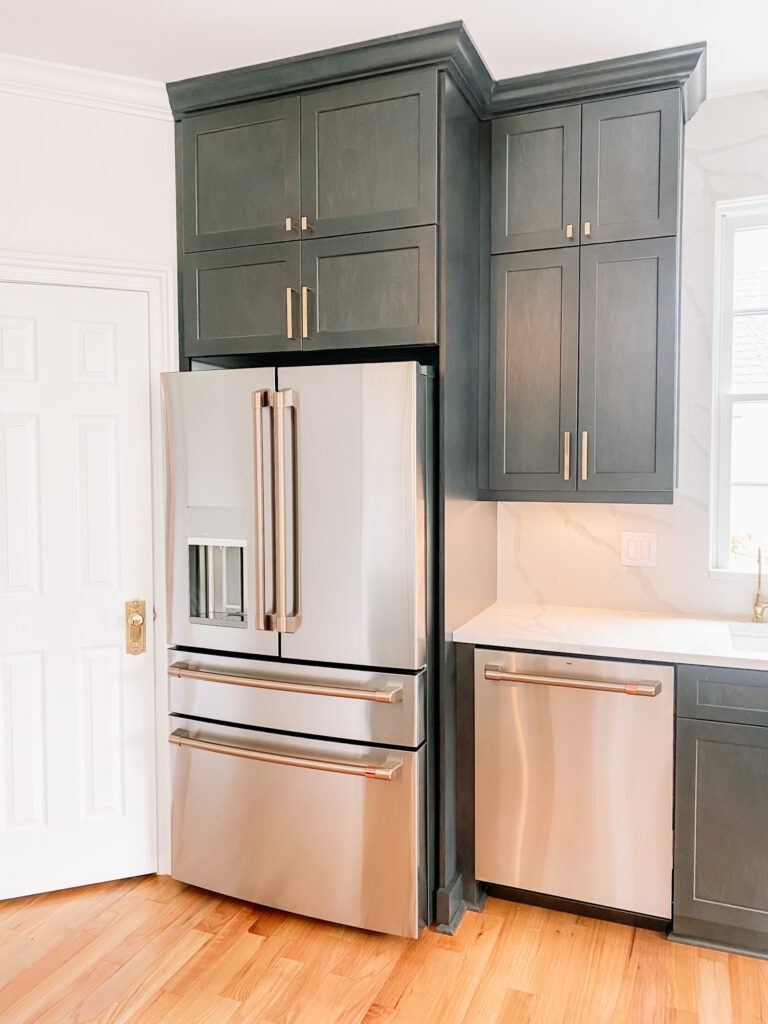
135	627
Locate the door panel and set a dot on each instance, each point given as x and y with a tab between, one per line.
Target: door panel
212	551
628	366
77	748
365	290
721	832
313	840
361	526
630	185
535	168
534	386
242	300
369	154
240	175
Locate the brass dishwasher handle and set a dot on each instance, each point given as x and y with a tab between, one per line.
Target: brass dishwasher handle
389	695
367	771
495	674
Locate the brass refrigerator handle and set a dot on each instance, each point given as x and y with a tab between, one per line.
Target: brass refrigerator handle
644	688
259	401
304	312
367	771
279	620
584	454
567	455
386	695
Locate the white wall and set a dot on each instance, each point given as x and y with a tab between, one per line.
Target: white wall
84	178
569	554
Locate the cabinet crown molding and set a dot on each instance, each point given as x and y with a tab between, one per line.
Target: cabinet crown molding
82	87
450	47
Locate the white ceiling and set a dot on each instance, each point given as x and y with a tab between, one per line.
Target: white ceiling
166	40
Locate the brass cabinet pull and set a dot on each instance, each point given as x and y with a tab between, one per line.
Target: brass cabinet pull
646	688
584	454
305	223
259	400
386	695
305	312
289	223
289	314
567	455
384	773
569	231
135	627
587	229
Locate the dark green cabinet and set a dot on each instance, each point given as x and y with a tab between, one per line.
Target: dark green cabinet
242	300
593	329
606	171
332	293
630	171
534	385
351	158
240	175
372	289
627	366
369	155
535	167
721	809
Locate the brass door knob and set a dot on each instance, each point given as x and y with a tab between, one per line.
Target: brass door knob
136	620
135	627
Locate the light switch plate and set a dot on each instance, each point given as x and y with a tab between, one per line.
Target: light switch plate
638	549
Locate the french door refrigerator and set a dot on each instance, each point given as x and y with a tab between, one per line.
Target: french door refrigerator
297	582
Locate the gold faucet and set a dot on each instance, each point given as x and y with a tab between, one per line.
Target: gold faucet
760	603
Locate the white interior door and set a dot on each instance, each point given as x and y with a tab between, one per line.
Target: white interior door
77	754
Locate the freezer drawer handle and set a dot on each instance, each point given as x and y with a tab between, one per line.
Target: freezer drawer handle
388	695
495	674
367	771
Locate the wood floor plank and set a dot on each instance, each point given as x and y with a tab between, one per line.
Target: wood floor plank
153	951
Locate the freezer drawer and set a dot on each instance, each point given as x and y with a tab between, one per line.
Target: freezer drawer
573	778
328	830
347	704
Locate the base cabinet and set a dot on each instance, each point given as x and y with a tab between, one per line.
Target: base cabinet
721	829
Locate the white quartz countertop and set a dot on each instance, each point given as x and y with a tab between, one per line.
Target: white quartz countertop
607	632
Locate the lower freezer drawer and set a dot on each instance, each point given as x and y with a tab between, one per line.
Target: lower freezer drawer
328	830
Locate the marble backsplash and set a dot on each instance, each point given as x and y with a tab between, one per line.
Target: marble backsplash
553	553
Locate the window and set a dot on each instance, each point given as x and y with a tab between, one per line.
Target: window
741	384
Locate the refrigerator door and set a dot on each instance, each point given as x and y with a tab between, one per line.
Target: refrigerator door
219	500
355	567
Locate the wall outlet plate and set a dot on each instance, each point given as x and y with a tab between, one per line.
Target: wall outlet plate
638	549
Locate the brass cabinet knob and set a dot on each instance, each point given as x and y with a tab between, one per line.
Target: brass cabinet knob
305	223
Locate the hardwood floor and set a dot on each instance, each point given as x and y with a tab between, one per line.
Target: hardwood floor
152	951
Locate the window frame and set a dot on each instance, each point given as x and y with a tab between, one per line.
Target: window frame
730	217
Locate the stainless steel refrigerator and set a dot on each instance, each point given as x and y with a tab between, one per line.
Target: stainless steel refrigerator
297	514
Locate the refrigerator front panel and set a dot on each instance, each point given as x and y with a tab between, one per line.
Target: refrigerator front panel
211	509
357	443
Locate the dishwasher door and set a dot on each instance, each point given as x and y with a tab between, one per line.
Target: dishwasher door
573	778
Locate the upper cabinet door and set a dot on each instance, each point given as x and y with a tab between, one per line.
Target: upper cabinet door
369	155
240	175
363	290
628	366
535	180
242	300
630	181
535	303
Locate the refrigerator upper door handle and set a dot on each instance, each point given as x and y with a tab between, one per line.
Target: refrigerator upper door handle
280	619
260	401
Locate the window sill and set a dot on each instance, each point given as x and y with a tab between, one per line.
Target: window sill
725	575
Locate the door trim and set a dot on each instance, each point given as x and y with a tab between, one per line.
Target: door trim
157	282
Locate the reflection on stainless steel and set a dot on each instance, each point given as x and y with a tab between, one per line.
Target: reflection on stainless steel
338	846
349	704
573	785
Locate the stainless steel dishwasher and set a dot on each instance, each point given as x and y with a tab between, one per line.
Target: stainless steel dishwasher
573	778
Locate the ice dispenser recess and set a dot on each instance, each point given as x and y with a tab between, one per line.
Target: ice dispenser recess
217	552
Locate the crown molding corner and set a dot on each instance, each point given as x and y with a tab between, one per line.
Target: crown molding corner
83	87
